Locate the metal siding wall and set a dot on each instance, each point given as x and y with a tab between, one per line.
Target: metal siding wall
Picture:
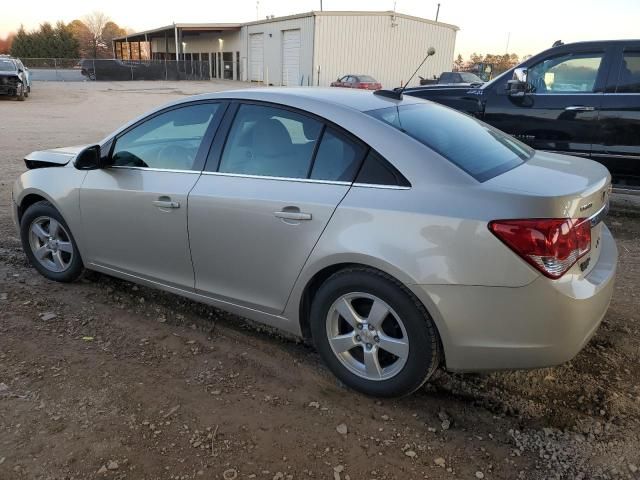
369	44
273	46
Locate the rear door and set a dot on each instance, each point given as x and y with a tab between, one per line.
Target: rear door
619	120
267	193
561	111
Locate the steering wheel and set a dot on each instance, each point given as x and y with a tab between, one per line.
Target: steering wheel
181	157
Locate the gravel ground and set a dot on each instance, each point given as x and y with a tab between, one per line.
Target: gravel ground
106	379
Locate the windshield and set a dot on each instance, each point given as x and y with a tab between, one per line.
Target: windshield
470	78
7	65
494	80
477	148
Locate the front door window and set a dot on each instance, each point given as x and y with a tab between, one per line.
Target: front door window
570	73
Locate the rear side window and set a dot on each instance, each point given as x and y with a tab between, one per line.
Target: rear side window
629	75
477	148
377	171
337	159
270	142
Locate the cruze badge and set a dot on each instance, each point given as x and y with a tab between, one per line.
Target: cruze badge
586	207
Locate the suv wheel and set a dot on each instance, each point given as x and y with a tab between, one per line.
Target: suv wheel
49	244
373	334
20	94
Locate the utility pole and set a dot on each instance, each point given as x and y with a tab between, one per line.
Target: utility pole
320	5
508	38
437	12
257	10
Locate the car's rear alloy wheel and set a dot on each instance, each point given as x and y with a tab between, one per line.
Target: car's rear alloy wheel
373	333
367	336
49	244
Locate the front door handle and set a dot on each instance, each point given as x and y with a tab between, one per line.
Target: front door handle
292	215
166	204
579	108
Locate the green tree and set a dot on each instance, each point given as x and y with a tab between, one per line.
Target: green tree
45	42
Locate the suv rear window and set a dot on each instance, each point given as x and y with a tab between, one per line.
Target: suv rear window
477	148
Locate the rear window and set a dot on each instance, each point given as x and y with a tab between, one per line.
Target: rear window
477	148
366	79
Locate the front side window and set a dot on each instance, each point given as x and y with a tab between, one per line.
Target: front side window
629	75
169	140
570	73
475	147
269	141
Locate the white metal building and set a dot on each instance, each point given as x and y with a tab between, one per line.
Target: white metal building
313	48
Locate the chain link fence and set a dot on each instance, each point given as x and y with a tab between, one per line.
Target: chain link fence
78	70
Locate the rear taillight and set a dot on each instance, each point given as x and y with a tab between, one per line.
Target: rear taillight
362	85
551	245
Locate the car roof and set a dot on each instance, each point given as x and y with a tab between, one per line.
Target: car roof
339	98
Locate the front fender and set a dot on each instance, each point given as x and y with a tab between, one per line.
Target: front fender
58	186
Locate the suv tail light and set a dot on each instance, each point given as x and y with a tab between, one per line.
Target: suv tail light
551	245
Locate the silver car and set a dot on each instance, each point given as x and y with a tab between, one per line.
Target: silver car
399	235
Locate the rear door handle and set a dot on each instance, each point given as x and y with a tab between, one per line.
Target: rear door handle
166	204
579	108
291	215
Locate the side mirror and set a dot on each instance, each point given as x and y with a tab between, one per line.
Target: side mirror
517	86
89	158
20	70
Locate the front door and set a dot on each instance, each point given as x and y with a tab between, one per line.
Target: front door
560	112
134	212
261	206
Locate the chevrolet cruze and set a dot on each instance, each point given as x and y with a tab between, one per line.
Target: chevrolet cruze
397	234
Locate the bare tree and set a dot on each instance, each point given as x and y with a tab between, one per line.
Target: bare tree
95	23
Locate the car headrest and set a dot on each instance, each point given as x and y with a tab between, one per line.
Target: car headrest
271	138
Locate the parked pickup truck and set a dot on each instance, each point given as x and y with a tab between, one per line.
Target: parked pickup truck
467	79
581	99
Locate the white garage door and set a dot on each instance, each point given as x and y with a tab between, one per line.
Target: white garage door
291	57
256	57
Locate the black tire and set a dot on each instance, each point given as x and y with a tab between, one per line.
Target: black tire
41	210
423	357
20	95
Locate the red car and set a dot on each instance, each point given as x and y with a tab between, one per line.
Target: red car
357	81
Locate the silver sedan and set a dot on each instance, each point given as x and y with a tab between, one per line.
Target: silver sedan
397	234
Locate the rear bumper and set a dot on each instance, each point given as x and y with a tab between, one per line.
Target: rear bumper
541	324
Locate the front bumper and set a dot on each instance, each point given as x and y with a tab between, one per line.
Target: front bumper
544	323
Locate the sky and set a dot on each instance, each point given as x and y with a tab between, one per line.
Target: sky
489	26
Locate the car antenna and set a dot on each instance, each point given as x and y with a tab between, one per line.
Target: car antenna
397	94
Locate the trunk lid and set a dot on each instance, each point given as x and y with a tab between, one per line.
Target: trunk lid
561	186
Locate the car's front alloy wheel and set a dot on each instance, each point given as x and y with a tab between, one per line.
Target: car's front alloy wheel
49	244
373	333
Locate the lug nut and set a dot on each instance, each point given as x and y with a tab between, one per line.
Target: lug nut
358	338
359	326
376	338
369	345
370	327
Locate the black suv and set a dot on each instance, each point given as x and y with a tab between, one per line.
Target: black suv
581	98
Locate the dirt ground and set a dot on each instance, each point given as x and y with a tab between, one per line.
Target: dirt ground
105	379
